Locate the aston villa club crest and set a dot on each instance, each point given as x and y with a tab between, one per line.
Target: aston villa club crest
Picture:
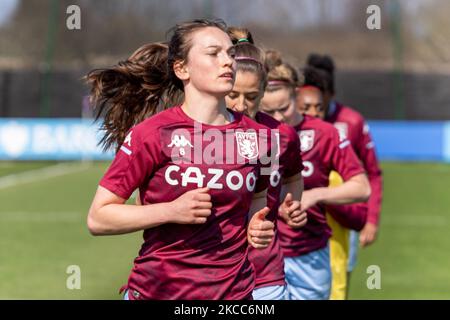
306	140
247	144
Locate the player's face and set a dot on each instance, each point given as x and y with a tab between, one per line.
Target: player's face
310	102
246	93
279	104
210	65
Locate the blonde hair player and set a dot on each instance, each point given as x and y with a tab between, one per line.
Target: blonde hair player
286	183
306	250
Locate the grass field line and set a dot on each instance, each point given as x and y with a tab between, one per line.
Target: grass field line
52	171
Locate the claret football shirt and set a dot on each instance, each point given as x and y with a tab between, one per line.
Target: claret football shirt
322	151
169	154
352	126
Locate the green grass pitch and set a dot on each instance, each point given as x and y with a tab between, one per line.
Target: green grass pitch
43	231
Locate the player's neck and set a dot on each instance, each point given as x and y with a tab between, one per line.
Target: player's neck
296	119
207	109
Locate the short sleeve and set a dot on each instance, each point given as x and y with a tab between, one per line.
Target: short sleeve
291	158
265	160
341	156
134	163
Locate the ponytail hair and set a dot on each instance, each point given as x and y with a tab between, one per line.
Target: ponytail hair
325	63
142	85
249	58
131	91
238	35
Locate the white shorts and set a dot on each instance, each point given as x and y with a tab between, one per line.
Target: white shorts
270	293
353	250
308	276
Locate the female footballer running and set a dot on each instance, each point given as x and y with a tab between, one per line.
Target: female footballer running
197	166
307	260
248	89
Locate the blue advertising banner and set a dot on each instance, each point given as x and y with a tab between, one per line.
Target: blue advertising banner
409	140
50	139
446	142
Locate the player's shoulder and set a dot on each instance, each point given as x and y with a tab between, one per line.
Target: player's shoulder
323	131
318	124
249	123
267	120
283	128
349	114
148	129
288	132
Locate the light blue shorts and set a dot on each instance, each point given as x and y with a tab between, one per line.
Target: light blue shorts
353	250
308	276
125	295
270	293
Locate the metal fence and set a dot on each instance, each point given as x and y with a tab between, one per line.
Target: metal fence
376	94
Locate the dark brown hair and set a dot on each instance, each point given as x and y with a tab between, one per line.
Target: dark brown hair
314	77
142	85
326	63
249	58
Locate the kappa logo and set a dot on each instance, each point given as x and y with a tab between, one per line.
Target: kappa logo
181	142
342	128
128	139
247	143
306	140
128	142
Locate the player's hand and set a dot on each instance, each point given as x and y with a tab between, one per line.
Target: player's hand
290	211
192	207
310	198
368	234
260	231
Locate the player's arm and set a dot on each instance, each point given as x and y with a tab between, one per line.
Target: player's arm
356	189
109	215
291	159
291	193
367	154
370	231
342	158
260	231
351	216
292	185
